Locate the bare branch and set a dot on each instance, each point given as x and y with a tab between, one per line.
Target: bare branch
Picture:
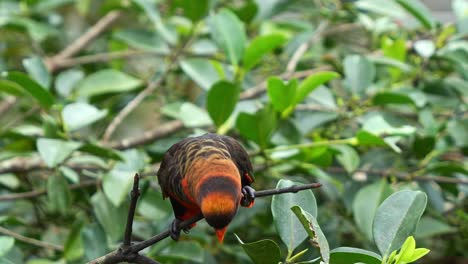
119	255
135	193
29	240
84	40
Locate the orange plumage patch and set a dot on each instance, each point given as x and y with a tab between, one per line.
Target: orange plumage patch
218	203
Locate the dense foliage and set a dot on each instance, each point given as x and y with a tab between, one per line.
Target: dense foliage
367	97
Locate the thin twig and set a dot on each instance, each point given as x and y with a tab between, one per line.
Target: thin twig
7	104
135	193
29	240
119	254
84	40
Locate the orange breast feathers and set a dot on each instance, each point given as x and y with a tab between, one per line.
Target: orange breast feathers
203	169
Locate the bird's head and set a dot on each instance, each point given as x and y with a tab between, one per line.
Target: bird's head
218	196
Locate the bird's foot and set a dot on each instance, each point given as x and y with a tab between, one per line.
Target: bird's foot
248	196
175	229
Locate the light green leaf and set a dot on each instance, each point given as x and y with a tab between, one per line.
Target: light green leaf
201	71
94	241
195	10
348	157
221	101
67	80
258	127
359	72
264	251
429	227
116	185
314	231
55	151
111	218
397	218
312	82
281	95
182	251
259	47
287	225
78	115
419	11
44	98
106	81
366	202
142	39
348	255
417	254
229	33
152	12
58	194
38	71
73	248
6	244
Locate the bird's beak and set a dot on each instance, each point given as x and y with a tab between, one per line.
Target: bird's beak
220	234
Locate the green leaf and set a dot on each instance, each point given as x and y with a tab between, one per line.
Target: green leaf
312	82
397	218
429	227
142	39
417	254
111	218
406	250
152	207
366	138
366	202
262	251
38	71
458	129
152	12
101	151
58	194
37	30
359	72
106	81
194	10
182	251
94	241
281	95
259	47
6	244
419	11
221	101
78	115
287	225
392	98
258	127
348	157
55	151
44	98
10	87
73	248
229	33
118	182
349	255
314	231
67	80
201	71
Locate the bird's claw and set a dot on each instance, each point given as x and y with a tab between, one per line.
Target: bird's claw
248	197
175	230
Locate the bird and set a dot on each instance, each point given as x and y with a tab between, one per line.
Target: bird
209	174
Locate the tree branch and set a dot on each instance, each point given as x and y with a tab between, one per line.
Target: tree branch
83	41
135	193
123	252
29	240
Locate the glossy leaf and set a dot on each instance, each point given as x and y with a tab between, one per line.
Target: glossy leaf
258	127
67	80
419	11
282	95
392	98
397	218
55	151
38	71
221	101
365	204
111	218
313	82
314	231
44	98
229	33
106	81
287	225
259	47
349	255
201	71
359	73
78	115
262	251
58	194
